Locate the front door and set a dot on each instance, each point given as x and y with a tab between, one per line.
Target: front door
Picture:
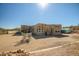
45	33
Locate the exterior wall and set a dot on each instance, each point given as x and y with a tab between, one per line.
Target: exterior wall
41	29
23	28
56	29
26	29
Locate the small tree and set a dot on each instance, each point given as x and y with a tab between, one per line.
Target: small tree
28	39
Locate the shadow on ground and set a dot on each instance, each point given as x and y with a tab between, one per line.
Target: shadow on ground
20	43
41	37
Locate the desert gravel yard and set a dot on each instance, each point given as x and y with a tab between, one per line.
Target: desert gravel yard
8	42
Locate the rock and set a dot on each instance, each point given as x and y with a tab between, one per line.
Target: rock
9	54
27	40
3	54
27	54
20	51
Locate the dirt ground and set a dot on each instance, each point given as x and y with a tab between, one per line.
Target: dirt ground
8	42
70	50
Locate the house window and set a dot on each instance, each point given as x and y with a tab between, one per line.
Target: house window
42	30
57	31
37	30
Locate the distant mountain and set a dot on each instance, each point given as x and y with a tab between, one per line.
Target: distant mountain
2	29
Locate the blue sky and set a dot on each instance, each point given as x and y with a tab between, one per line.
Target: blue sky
13	15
